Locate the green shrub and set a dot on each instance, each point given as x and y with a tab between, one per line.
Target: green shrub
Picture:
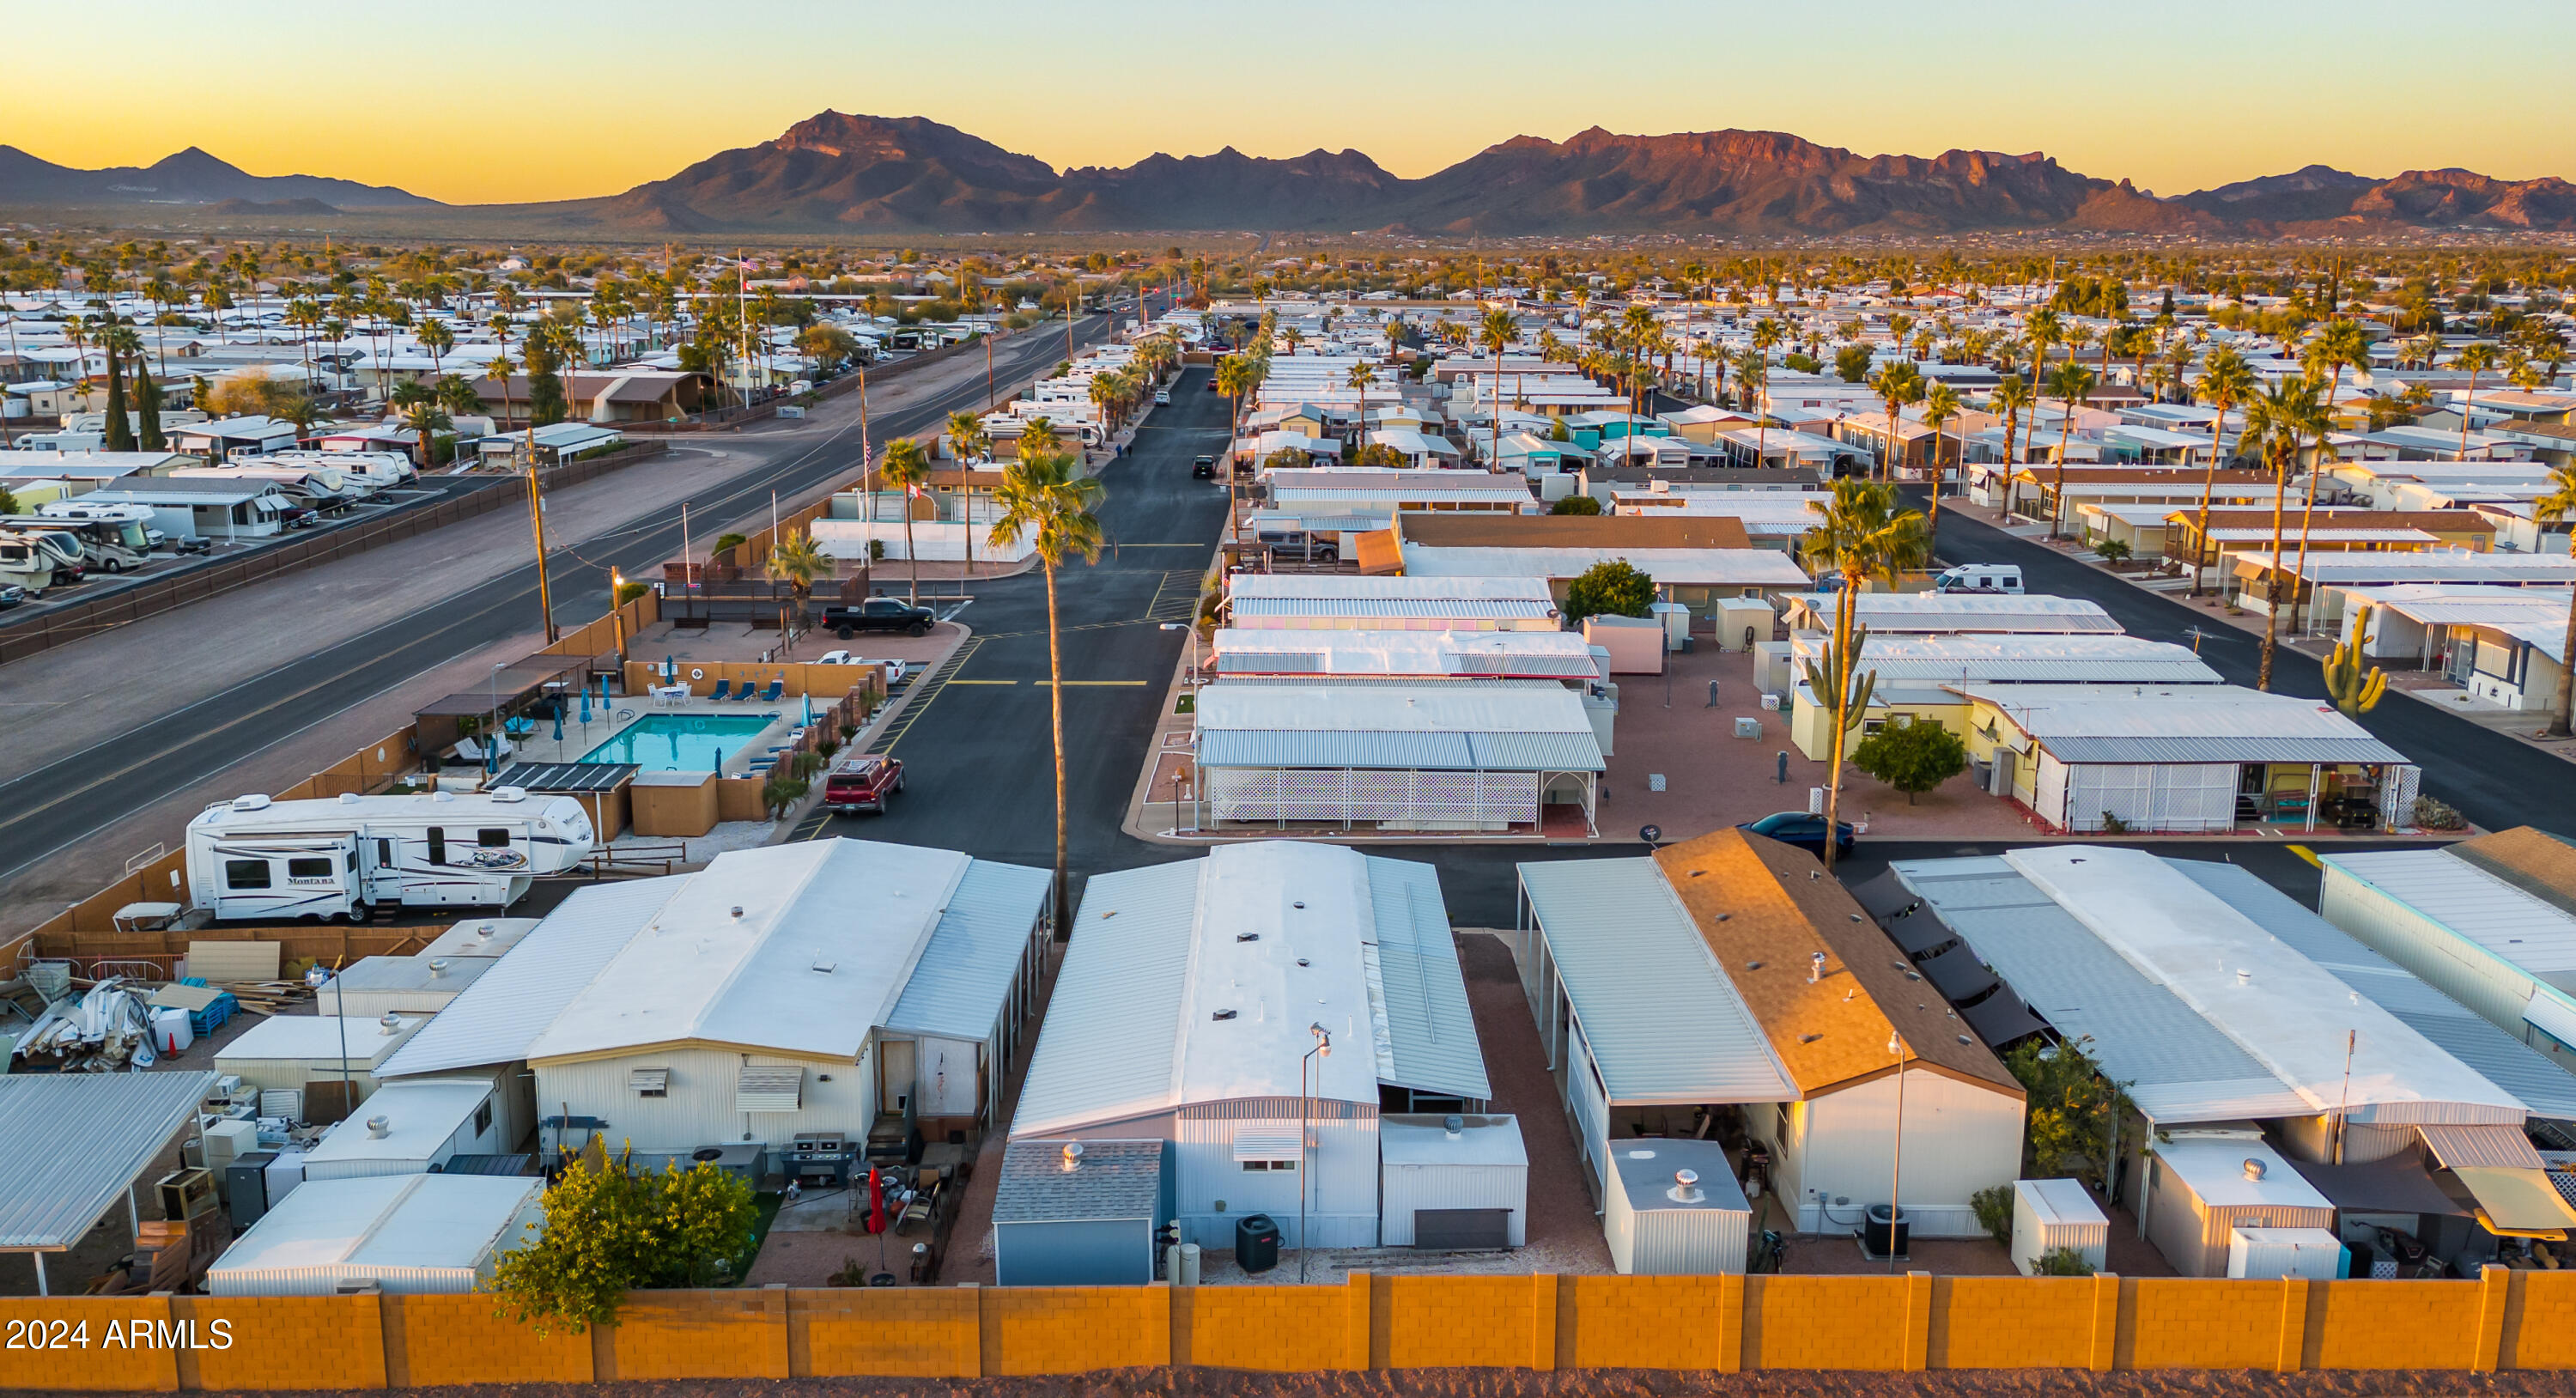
1913	757
1613	587
2064	1262
1995	1211
1576	505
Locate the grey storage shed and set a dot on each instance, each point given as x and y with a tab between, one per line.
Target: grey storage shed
1675	1209
1079	1213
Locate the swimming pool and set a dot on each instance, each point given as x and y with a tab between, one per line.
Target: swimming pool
680	742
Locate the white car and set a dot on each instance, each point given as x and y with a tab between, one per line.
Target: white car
838	657
1162	397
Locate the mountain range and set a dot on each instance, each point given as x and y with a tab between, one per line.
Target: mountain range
840	173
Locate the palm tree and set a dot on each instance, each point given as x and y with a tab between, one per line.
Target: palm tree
2041	329
1753	372
2225	382
2280	418
967	438
424	417
2069	383
435	337
1047	500
500	369
800	563
457	396
1361	376
1862	536
1496	332
907	469
1940	404
2477	359
1897	383
2341	345
2014	398
2551	509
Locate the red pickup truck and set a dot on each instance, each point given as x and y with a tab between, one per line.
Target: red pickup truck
862	783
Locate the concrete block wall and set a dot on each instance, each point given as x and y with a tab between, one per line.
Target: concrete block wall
1913	1321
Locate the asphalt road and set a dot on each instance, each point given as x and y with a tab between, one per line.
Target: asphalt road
60	804
2493	780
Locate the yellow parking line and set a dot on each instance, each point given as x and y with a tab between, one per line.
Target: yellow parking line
1042	684
983	681
2307	854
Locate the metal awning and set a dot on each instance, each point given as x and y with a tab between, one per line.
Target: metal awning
2467	1147
769	1087
71	1143
649	1082
566	776
2517	1203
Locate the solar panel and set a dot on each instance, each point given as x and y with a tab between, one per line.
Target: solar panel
566	776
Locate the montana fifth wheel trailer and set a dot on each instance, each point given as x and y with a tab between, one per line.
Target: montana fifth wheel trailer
251	857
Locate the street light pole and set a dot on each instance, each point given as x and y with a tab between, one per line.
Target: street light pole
1896	1170
1323	1049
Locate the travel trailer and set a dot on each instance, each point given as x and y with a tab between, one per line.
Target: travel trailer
253	858
24	565
61	546
377	470
322	488
110	546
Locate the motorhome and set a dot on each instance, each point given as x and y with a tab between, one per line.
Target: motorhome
134	526
254	858
109	545
24	565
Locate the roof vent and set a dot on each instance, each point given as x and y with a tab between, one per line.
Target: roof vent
1298	905
390	1024
1222	1014
1454	1124
737	912
1073	1155
348	798
1685	1188
437	967
434	796
379	1127
509	793
250	803
485	930
2253	1169
1304	962
1247	936
1816	967
2244	977
824	967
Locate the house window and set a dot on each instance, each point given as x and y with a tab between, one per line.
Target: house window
1268	1166
483	1118
246	873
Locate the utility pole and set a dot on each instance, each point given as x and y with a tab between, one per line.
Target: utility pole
537	525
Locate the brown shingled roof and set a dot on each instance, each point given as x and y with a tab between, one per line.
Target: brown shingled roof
1765	909
2531	859
1471	530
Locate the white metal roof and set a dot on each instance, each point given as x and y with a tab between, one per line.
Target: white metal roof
2180	723
1670	567
481	937
2423	565
1482	1140
1664	1021
2021	657
420	1114
403	1224
2474	905
1454	725
310	1038
2215	1170
963	979
1275	936
798	948
501	1016
1888	612
1553	654
1350	586
2288	1012
71	1144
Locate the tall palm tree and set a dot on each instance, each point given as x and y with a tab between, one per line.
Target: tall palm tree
1047	500
1361	376
1752	374
2225	382
1862	536
2552	508
500	369
800	563
2340	346
1897	383
425	419
2280	417
907	469
2041	329
968	439
2477	359
1496	332
2013	398
1940	404
2070	384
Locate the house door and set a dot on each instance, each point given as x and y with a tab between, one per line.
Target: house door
896	1074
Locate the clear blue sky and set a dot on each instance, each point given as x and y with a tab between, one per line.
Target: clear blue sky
477	100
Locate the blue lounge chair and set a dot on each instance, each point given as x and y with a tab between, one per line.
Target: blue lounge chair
723	690
749	688
777	690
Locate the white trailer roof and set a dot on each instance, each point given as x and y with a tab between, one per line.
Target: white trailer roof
2470	903
1887	612
1267	651
317	1038
414	1232
1670	567
2207	723
1348	586
419	1114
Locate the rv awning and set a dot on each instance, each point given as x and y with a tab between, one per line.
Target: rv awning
2400	1184
2467	1147
2518	1203
649	1082
769	1087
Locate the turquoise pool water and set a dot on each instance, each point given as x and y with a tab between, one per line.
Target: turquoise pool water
680	742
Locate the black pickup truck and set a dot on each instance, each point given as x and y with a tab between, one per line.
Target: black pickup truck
878	614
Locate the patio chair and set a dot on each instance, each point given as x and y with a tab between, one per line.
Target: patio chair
723	690
750	691
776	691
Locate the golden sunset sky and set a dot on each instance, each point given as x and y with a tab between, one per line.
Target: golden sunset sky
482	101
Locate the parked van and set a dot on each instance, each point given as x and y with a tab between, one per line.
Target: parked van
253	858
1996	578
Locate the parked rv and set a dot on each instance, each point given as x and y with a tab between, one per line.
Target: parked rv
137	529
62	547
111	546
253	858
2003	578
24	566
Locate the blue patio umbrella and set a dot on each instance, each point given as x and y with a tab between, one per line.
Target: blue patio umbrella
585	711
809	710
603	693
670	669
585	706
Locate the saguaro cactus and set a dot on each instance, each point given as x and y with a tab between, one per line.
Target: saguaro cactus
2355	690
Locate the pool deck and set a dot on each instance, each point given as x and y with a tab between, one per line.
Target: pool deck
628	710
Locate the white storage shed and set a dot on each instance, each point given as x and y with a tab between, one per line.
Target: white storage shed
291	1051
2201	1189
1452	1182
2268	1254
414	1126
2052	1214
410	985
1674	1209
410	1234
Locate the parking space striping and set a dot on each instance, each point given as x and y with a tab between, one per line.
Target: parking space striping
924	695
1176	597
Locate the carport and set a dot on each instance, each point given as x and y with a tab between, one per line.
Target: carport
70	1143
439	725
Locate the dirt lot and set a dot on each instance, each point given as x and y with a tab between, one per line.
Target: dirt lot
1595	1383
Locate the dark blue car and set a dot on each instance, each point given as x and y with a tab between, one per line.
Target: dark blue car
1805	831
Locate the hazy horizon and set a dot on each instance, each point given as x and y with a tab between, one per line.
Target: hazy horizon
501	104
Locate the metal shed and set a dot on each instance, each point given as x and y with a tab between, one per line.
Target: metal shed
410	1234
410	985
414	1126
2203	1188
71	1143
1675	1209
1452	1182
2053	1214
1079	1213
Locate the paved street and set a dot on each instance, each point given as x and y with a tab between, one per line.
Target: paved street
50	807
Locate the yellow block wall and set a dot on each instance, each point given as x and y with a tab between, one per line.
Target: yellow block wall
2517	1320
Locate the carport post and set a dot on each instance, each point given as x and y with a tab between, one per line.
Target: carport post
133	1215
41	1289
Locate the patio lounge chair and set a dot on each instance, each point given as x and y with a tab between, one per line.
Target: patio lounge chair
777	690
749	689
723	690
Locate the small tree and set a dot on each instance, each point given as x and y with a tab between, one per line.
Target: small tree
1913	757
1576	505
2073	1111
2111	551
1851	363
1613	587
1379	455
610	1229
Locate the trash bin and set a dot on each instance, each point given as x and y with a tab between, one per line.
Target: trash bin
1885	1231
1256	1242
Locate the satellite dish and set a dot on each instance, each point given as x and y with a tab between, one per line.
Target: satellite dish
1650	834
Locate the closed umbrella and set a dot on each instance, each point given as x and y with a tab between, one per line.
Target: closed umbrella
585	709
876	1201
